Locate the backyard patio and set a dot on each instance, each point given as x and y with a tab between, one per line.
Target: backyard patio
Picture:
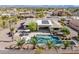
42	29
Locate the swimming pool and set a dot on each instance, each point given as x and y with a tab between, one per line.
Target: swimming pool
44	39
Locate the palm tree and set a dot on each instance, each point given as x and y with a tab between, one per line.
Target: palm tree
34	42
20	42
56	47
49	44
65	31
66	44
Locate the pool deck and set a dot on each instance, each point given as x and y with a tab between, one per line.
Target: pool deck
34	34
4	37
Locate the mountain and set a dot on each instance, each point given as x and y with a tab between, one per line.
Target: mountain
39	6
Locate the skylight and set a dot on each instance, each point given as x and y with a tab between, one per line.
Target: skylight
45	22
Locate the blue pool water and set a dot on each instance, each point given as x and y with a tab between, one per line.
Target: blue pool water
45	38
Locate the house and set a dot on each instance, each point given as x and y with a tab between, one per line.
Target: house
61	13
74	24
56	26
26	14
76	13
52	25
8	14
45	23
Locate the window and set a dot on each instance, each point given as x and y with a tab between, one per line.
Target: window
56	28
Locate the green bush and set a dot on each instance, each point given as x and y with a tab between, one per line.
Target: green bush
32	26
66	44
20	42
65	31
33	41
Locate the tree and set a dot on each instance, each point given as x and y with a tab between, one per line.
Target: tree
14	19
33	41
40	15
78	34
20	42
3	23
77	37
8	20
39	9
4	20
65	31
5	17
49	44
62	21
12	32
75	10
66	44
56	47
32	26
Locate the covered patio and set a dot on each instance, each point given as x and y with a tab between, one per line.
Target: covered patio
56	26
44	24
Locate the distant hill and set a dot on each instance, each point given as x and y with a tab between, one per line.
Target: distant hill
39	6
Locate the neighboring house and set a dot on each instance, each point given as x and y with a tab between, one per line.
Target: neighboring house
75	17
8	14
76	13
61	13
74	24
26	14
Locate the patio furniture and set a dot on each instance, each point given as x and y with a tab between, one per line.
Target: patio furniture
28	30
23	34
25	37
60	34
24	31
